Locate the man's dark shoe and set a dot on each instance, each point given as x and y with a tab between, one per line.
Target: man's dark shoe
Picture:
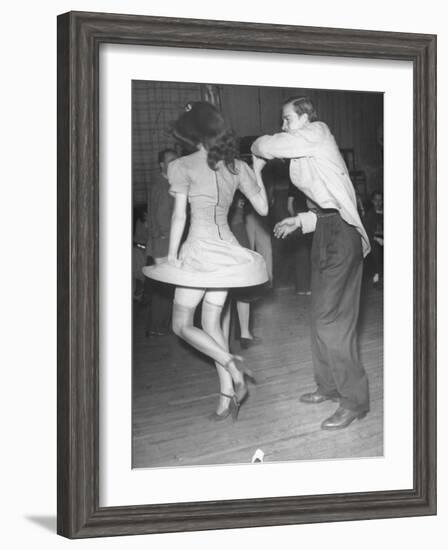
316	397
342	418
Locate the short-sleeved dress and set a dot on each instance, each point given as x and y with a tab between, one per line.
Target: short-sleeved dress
211	257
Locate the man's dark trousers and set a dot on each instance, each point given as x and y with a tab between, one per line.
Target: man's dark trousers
336	274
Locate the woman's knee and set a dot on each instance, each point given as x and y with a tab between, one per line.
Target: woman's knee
182	318
177	326
211	317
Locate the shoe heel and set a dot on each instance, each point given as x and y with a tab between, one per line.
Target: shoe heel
241	393
241	389
361	415
234	409
245	371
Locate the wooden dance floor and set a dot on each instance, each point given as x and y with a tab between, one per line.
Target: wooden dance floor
175	390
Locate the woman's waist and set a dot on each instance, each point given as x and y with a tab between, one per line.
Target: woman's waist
203	230
210	219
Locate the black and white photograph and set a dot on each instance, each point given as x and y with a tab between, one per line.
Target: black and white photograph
257	274
209	342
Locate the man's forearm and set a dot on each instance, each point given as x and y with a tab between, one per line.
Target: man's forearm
259	148
281	145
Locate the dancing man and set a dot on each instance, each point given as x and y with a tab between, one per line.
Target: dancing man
339	244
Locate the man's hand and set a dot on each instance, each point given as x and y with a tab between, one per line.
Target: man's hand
286	227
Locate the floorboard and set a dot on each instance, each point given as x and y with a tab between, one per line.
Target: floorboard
175	390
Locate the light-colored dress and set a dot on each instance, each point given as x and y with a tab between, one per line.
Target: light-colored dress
211	257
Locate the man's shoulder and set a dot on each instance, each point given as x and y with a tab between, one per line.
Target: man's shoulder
317	131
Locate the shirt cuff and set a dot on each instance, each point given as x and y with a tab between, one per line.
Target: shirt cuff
307	221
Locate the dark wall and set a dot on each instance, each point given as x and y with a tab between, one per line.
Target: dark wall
355	119
155	106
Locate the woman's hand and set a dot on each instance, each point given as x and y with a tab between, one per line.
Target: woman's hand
172	260
258	163
285	227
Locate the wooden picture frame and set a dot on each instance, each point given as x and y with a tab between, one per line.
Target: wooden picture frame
79	38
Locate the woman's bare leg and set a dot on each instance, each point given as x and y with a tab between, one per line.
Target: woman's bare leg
185	302
215	322
209	341
211	321
243	309
225	320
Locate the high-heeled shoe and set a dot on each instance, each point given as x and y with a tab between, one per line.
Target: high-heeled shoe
232	409
241	388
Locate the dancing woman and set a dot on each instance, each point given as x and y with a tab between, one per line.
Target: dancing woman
211	260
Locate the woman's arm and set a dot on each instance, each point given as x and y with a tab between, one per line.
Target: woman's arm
260	200
177	225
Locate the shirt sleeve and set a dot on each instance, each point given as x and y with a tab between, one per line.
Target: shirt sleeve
284	145
308	221
247	182
178	178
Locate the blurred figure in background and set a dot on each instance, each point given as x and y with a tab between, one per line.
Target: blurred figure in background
139	239
160	209
373	222
297	202
242	296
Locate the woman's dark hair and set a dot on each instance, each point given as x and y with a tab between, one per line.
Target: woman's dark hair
302	105
203	123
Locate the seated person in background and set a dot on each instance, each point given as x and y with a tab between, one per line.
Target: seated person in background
373	222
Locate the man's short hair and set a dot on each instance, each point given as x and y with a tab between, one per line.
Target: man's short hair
164	152
303	105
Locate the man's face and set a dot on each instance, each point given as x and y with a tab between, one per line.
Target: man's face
169	157
377	201
291	120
